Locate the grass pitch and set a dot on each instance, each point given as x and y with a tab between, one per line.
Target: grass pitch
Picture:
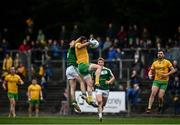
89	120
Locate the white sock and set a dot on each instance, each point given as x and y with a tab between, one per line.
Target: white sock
100	115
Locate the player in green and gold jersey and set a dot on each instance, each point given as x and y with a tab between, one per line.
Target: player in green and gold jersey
102	91
73	75
84	66
10	84
160	70
34	97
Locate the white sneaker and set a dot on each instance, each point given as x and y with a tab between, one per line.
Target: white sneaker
14	115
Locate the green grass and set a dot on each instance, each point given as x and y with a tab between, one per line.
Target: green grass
88	120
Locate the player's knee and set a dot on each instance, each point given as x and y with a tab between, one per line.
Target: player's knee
153	94
161	96
73	88
90	84
99	102
99	67
13	102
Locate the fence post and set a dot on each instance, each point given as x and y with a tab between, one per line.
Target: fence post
128	85
100	52
120	69
63	68
29	65
69	96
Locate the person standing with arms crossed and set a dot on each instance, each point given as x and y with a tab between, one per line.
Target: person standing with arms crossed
10	84
160	70
34	97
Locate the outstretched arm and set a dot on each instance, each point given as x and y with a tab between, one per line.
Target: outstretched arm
80	45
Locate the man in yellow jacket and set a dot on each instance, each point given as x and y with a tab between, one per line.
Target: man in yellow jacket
7	62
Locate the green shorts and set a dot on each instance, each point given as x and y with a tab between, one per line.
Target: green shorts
13	96
160	84
83	69
34	102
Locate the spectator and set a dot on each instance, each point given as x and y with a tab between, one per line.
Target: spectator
24	47
41	71
63	33
41	38
145	35
28	39
4	46
130	43
133	90
116	42
112	53
17	61
110	31
177	73
149	43
137	65
175	92
7	63
111	56
43	81
158	42
101	42
174	86
120	54
122	37
46	58
75	33
135	33
142	43
5	34
137	43
34	73
33	51
132	35
170	43
107	45
48	72
158	46
49	44
177	37
168	54
55	50
37	51
21	71
30	24
63	48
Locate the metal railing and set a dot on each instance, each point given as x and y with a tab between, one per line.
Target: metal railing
119	67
